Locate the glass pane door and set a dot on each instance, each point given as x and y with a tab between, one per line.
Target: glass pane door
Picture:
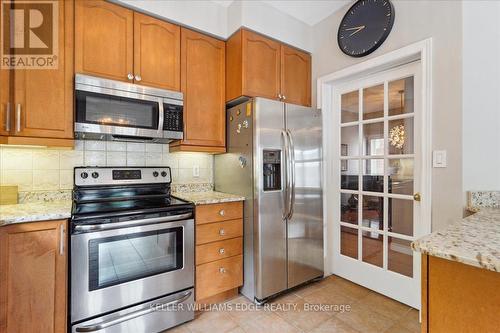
378	178
119	259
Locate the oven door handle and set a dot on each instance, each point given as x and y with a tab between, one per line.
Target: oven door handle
132	315
126	224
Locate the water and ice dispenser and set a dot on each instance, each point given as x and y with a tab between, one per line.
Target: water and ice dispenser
272	170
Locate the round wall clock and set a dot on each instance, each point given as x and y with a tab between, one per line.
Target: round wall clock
365	27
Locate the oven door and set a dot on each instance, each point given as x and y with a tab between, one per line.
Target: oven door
101	110
116	268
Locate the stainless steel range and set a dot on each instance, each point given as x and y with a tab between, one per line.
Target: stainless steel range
132	252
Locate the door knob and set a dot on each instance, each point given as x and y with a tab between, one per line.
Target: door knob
130	76
222	270
138	78
417	197
222	232
222	212
222	251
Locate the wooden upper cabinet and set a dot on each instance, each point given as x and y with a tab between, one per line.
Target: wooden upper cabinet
104	40
5	104
33	278
258	66
43	98
253	66
203	85
156	52
295	76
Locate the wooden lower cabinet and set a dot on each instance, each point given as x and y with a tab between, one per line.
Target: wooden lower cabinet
33	277
459	298
219	252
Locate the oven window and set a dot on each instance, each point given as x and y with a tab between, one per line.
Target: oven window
116	111
119	259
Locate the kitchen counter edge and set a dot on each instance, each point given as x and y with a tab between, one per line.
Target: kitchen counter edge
474	241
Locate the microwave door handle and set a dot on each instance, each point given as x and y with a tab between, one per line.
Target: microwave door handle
132	315
161	117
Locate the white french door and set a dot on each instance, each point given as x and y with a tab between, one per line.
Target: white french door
377	168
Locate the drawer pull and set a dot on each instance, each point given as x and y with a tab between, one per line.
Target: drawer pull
222	251
222	270
222	232
222	212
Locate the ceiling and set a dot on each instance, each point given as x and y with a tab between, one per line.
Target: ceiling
307	11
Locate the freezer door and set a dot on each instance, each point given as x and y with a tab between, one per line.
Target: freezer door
305	226
269	226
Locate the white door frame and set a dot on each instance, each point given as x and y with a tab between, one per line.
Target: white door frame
421	51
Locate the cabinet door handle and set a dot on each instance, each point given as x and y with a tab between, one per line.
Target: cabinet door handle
222	232
138	78
222	270
62	232
222	212
279	96
18	118
284	97
222	251
130	76
7	117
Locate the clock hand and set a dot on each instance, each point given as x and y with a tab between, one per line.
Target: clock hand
357	29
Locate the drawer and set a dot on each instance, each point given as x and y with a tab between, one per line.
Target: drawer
218	276
218	250
219	212
213	232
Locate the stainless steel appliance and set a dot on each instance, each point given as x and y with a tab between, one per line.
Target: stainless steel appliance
274	159
132	252
114	110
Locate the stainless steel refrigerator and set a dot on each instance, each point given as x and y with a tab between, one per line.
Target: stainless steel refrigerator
274	159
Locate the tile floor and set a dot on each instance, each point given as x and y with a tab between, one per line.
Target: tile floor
369	312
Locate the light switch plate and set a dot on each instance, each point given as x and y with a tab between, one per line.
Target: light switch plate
196	171
439	159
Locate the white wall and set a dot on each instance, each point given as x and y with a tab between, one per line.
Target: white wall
268	20
222	21
415	21
203	15
481	95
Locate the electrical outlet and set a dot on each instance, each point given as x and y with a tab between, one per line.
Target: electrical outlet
196	171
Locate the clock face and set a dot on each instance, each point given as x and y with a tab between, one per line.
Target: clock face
365	27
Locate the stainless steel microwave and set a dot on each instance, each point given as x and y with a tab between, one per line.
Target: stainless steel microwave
113	110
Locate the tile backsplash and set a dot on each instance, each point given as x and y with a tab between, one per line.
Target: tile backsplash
46	169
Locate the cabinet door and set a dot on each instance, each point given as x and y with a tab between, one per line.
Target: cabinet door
261	66
203	85
295	76
33	279
4	91
157	55
43	98
104	40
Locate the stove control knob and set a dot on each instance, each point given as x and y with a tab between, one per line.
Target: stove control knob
164	174
95	174
84	175
155	173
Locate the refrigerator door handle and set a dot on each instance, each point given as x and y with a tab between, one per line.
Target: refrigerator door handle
286	150
291	155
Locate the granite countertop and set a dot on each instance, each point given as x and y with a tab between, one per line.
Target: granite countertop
207	197
474	240
35	211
